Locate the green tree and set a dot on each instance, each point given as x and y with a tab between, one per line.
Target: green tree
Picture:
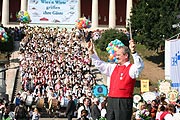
110	35
6	46
152	21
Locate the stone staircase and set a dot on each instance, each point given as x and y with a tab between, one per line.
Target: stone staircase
11	75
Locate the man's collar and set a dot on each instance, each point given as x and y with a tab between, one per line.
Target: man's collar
126	63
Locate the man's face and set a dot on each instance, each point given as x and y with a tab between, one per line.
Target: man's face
121	57
87	102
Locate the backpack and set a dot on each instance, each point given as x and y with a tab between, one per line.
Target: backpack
20	112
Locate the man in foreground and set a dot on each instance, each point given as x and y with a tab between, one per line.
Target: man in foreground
122	80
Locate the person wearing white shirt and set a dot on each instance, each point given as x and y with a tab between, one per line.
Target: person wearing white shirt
122	75
86	106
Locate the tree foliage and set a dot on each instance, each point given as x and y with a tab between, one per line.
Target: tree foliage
7	46
152	21
110	35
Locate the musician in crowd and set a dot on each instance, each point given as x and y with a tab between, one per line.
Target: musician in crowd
51	94
52	101
39	89
29	99
23	95
17	99
49	86
39	101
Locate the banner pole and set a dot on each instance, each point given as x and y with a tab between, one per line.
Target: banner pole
130	31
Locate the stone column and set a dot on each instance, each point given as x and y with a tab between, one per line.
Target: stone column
24	5
5	12
94	13
2	80
79	8
129	6
112	13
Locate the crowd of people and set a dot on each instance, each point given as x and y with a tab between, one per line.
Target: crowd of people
158	109
56	74
54	64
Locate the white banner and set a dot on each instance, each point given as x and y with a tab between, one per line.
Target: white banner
172	62
53	11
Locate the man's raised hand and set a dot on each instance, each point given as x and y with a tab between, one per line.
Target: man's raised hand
132	46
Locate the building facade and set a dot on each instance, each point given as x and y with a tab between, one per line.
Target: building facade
107	13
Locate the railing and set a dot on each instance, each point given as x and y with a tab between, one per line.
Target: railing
15	86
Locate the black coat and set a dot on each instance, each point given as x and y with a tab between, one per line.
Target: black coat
71	107
95	112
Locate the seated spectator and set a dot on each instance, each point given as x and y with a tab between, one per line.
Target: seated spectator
17	99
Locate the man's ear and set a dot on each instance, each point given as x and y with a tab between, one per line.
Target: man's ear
126	56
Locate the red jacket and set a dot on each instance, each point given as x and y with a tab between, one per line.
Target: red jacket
121	84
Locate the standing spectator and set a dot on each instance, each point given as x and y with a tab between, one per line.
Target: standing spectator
86	106
17	99
122	80
71	107
95	112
